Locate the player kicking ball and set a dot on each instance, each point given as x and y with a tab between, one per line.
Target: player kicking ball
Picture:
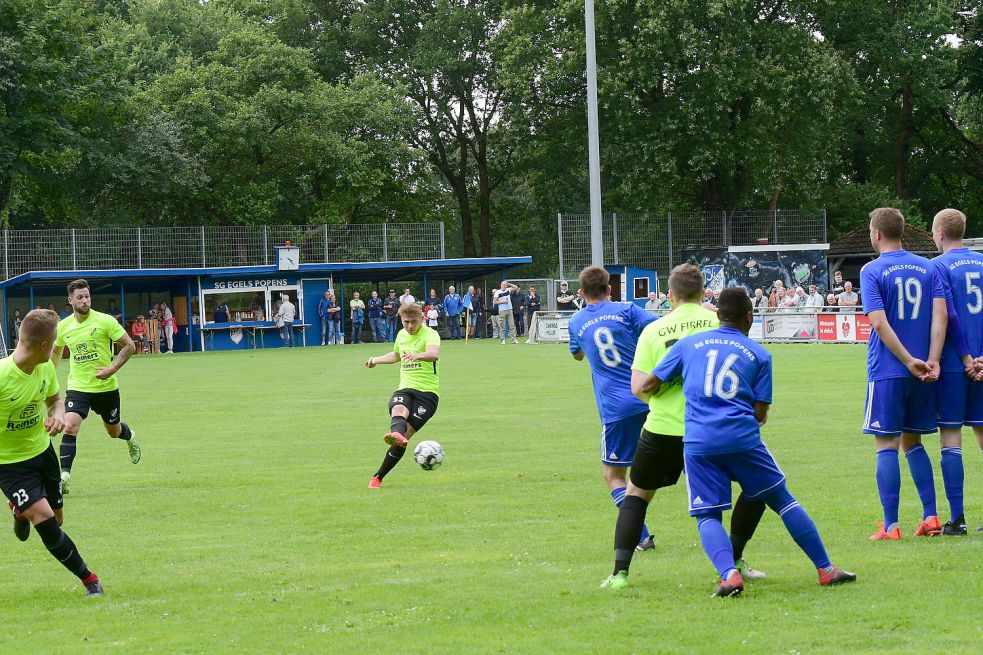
606	333
727	384
29	473
92	383
416	349
658	460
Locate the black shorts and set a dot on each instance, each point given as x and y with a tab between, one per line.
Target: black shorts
25	483
422	405
658	461
103	403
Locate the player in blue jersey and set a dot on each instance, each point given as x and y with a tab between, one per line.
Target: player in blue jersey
606	333
959	394
905	301
727	385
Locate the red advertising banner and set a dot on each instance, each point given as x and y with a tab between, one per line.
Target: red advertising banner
843	327
863	327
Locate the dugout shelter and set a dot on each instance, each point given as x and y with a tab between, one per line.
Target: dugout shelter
250	293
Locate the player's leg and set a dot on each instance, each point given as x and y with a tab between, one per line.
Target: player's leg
76	410
619	440
920	419
761	479
744	521
952	401
883	417
409	411
107	405
709	491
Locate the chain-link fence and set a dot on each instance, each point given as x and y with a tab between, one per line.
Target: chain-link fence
235	245
658	241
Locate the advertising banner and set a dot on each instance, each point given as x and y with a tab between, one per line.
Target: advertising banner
790	326
843	327
757	267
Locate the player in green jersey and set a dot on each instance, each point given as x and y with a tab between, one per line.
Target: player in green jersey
658	460
417	349
92	383
29	472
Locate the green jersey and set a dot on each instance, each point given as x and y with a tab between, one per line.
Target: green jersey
22	397
421	376
666	408
91	346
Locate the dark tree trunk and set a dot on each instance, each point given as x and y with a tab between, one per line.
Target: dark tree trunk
902	153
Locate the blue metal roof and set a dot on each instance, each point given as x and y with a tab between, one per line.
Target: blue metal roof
353	271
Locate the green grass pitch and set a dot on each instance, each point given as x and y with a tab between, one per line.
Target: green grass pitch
248	527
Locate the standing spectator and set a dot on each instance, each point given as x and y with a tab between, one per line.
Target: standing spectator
112	310
790	306
534	303
831	303
848	298
518	311
777	296
391	307
503	300
221	313
566	300
322	311
476	318
377	317
67	311
814	299
653	302
708	298
335	335
759	301
15	324
431	313
436	303
664	305
357	306
51	307
139	331
800	297
493	317
169	326
286	314
838	286
407	297
453	305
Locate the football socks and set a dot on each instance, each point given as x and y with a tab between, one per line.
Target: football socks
124	432
889	485
618	496
628	531
952	479
67	451
399	424
716	543
62	547
921	473
743	522
393	455
803	530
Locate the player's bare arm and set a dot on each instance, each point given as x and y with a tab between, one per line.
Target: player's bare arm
761	412
55	422
643	384
431	354
940	323
389	358
56	354
126	349
579	355
879	323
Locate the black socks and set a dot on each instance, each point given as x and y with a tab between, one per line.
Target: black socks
393	455
62	547
743	522
399	424
124	432
67	451
628	531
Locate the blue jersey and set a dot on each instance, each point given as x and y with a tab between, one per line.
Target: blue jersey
608	332
724	373
903	285
961	273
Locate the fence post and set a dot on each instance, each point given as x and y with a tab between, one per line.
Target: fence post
723	228
824	226
266	247
139	248
776	225
385	243
203	264
443	254
614	219
324	230
559	241
6	258
75	265
669	231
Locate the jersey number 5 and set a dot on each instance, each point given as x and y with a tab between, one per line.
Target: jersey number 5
604	341
724	382
974	290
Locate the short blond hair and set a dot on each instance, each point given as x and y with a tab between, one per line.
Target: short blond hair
889	221
39	325
952	222
411	310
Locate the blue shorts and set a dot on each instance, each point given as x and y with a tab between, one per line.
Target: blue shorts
620	438
708	478
959	401
897	405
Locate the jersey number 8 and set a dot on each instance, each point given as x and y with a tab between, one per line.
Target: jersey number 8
604	341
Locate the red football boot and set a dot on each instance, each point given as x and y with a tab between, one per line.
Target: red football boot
880	535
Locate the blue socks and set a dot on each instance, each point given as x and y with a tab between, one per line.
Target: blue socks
716	543
618	496
889	485
921	474
803	531
952	479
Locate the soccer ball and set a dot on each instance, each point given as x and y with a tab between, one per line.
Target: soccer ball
428	454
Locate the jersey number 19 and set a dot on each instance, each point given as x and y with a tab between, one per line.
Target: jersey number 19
910	290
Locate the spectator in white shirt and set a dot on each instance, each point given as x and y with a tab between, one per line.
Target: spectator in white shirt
790	306
653	302
502	299
814	300
759	301
831	303
406	298
286	315
848	298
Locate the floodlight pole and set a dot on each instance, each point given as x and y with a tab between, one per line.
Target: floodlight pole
593	142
